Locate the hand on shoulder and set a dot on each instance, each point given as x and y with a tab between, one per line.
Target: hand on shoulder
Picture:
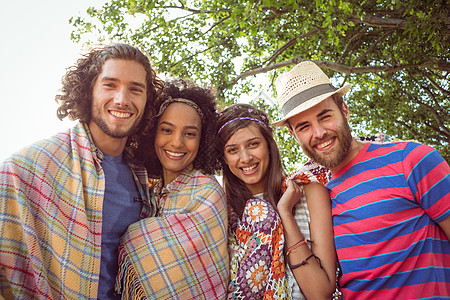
290	197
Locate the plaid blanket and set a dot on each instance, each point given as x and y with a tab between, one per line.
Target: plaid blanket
50	219
51	198
182	253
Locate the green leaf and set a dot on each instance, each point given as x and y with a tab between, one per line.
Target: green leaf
214	41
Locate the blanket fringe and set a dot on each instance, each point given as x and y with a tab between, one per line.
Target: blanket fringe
127	281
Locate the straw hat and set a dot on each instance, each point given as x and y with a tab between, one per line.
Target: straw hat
303	87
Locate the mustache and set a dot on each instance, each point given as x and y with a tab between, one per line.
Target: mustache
327	136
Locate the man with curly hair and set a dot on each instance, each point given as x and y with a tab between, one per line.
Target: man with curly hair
65	201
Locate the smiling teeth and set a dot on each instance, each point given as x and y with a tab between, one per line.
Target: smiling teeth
323	145
121	115
249	168
177	154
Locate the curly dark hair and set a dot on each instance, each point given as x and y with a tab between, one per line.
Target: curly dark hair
236	191
206	159
75	99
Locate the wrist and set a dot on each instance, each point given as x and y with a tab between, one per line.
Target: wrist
285	210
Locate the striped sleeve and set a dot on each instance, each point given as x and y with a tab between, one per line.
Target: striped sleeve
428	176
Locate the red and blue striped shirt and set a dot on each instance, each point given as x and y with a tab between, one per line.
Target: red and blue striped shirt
386	204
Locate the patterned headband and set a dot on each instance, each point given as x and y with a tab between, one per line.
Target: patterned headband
181	100
241	118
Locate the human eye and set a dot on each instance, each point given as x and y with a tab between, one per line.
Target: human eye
232	150
137	90
191	134
109	85
253	144
326	117
165	130
302	128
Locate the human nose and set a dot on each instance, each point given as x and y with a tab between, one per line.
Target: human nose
121	97
318	131
177	140
245	155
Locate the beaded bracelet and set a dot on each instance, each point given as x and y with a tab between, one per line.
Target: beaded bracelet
299	243
305	262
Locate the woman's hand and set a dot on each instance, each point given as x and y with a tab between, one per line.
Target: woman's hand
290	197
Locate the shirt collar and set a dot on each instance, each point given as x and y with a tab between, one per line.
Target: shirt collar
98	153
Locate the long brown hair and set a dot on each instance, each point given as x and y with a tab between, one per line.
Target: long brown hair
236	191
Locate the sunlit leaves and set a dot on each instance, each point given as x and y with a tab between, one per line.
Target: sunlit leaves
215	41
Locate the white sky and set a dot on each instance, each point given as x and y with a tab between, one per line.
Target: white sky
35	51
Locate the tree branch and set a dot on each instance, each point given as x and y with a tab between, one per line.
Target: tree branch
380	22
341	68
438	130
350	43
437	117
427	90
198	52
283	48
216	24
276	13
435	84
372	47
192	10
409	128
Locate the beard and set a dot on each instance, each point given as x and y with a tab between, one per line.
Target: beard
331	160
114	132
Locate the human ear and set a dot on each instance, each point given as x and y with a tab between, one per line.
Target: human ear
345	111
291	132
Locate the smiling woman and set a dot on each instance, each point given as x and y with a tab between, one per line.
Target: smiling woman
262	223
189	230
177	138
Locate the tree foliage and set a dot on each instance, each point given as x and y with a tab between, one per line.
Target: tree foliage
394	52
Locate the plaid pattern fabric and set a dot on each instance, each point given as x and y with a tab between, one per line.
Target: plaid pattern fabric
51	197
181	254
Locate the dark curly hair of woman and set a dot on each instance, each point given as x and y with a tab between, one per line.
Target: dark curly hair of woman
75	99
204	98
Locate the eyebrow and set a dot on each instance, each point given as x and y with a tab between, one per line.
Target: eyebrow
139	84
325	111
249	140
185	127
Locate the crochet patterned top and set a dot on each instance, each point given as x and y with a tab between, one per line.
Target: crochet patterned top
255	242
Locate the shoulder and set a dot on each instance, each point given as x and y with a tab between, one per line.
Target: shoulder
397	150
53	151
413	152
41	148
198	184
399	146
308	173
198	180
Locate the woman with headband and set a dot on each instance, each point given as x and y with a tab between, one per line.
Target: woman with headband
182	251
263	230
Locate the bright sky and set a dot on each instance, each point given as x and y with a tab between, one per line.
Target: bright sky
35	51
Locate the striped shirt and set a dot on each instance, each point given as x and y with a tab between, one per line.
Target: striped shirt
385	205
